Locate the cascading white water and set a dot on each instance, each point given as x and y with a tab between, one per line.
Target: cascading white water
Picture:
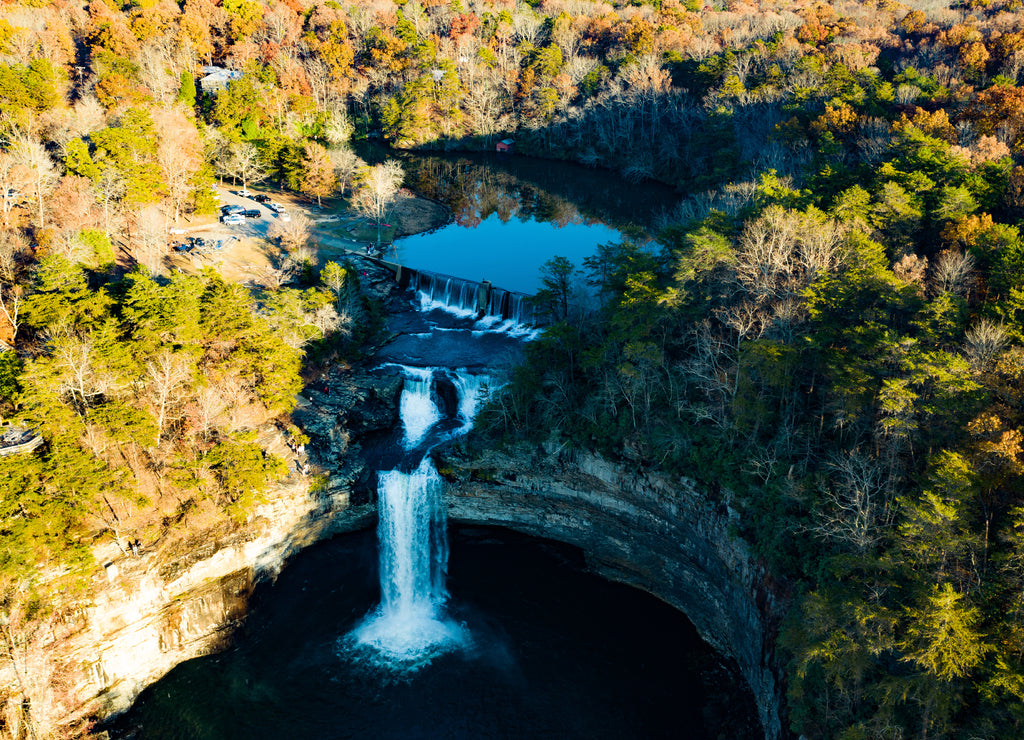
416	407
471	391
506	312
409	626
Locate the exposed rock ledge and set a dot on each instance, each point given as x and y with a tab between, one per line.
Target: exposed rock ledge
154	615
662	536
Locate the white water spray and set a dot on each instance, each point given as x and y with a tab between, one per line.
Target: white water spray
472	390
409	627
416	407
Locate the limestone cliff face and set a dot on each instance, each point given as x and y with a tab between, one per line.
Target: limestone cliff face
180	599
663	536
156	612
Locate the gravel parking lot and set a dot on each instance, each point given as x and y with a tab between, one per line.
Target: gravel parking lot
244	254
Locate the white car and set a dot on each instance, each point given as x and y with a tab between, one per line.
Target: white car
244	193
276	207
233	219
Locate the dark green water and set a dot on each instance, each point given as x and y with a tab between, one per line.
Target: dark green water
555	653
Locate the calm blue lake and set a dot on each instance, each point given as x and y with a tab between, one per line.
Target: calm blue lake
513	214
508	253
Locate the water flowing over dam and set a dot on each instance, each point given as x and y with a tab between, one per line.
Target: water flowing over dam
471	299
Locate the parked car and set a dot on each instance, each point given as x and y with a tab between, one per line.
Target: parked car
276	207
244	193
252	213
231	209
261	198
233	219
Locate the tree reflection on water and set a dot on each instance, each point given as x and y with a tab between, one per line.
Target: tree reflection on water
476	186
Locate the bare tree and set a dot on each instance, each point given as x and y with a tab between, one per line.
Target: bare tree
243	162
701	47
749	321
857	507
179	153
169	373
484	107
212	405
75	359
10	307
327	319
110	187
13	179
40	172
346	164
149	245
12	246
953	273
984	341
376	190
89	116
413	11
319	76
527	25
337	126
766	260
907	94
68	244
292	235
274	276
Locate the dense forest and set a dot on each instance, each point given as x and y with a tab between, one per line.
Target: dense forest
827	331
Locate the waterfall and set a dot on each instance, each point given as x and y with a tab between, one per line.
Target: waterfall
454	295
409	626
416	407
471	390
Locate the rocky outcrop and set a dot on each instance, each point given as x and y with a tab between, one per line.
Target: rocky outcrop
663	536
343	413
